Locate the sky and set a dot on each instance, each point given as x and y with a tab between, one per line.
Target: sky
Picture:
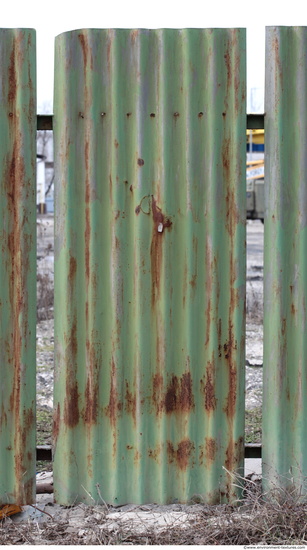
52	18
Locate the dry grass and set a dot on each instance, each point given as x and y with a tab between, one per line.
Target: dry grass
255	520
45	297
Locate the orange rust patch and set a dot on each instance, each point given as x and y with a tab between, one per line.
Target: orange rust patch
230	408
85	50
210	449
12	76
182	455
179	394
208	388
234	454
72	268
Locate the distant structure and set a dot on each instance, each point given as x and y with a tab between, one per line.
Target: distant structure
45	172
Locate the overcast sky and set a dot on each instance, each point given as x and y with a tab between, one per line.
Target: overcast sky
50	18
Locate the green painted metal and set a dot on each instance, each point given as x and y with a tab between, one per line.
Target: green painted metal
18	265
285	274
149	129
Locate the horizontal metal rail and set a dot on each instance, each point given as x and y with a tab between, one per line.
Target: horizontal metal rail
253	122
44	452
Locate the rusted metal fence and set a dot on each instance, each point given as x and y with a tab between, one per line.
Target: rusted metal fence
149	131
285	276
18	265
150	287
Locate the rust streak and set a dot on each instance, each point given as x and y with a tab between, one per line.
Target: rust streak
56	423
92	382
130	402
160	223
114	406
157	393
71	407
208	388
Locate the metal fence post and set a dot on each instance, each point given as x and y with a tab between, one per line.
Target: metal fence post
18	265
285	272
150	145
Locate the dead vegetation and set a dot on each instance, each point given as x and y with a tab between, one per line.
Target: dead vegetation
45	296
255	520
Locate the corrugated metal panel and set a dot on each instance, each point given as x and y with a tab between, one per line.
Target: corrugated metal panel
150	264
285	274
18	265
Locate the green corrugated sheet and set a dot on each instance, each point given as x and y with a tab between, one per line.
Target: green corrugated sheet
150	132
17	265
285	267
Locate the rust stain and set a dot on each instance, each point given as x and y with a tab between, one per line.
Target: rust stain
85	50
232	213
12	74
157	393
56	423
72	268
116	143
71	406
278	63
93	362
141	162
210	449
182	455
130	402
137	456
230	408
161	222
155	453
284	327
234	454
208	388
179	394
209	283
134	35
87	231
114	406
